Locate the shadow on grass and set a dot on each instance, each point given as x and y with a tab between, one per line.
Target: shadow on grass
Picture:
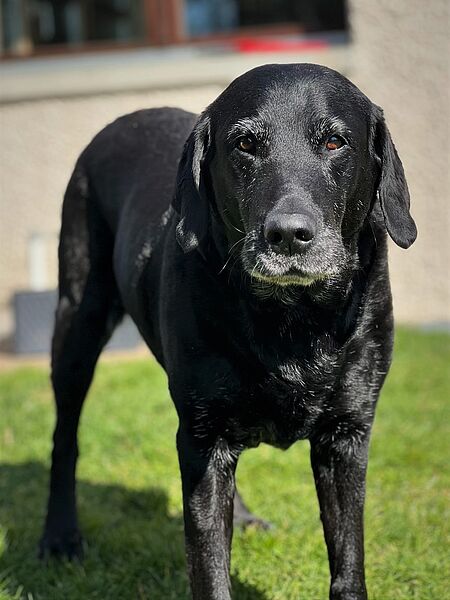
134	545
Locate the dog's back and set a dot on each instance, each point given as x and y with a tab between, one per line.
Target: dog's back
148	143
111	215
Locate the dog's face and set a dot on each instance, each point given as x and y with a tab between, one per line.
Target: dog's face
290	159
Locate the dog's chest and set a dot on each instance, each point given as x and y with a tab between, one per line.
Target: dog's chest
289	395
300	361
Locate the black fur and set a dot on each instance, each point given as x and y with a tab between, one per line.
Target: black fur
260	343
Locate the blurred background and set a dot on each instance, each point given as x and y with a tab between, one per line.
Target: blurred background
69	67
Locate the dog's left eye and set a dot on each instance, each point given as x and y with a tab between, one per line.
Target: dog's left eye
246	144
334	142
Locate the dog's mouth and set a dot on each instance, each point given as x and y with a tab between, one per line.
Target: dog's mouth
318	264
290	278
323	261
284	271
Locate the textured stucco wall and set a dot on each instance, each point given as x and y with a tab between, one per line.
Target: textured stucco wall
401	61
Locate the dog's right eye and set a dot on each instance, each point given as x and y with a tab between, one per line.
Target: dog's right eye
246	144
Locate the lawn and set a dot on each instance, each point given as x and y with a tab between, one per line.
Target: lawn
130	501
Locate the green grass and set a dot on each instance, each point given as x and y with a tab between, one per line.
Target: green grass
130	502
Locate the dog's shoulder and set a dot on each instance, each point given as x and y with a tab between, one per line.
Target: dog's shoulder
134	131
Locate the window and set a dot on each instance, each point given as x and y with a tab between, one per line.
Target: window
36	26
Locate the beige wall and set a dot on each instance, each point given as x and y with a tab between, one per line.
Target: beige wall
401	61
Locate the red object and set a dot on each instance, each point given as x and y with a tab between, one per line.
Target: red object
272	45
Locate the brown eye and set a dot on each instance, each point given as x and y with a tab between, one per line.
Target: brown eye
334	142
246	144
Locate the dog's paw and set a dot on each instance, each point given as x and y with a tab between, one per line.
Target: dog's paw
249	520
339	591
66	545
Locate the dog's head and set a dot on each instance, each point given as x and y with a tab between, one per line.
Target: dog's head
291	160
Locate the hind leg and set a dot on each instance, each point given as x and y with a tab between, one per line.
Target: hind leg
72	373
88	310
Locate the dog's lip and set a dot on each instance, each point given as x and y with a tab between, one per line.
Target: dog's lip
290	277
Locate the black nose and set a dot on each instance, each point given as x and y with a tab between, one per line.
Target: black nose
289	233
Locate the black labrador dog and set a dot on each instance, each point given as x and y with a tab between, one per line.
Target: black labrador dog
254	263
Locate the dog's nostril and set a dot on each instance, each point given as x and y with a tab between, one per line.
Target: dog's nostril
274	237
289	233
303	234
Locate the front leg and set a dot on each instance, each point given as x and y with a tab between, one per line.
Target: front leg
339	463
207	472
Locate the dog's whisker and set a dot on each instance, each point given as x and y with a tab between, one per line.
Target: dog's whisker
225	210
230	252
232	267
238	230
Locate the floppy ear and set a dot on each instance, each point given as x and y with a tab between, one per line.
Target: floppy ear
392	187
190	201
